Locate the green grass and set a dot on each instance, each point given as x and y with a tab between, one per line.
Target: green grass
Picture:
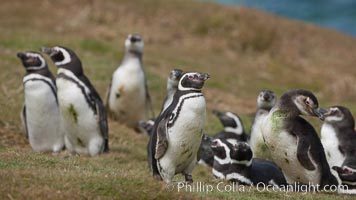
243	50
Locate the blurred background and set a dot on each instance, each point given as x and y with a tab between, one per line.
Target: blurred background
336	14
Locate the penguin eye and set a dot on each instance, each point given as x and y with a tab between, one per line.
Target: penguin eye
190	77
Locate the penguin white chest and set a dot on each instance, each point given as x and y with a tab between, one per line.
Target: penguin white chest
331	145
79	120
256	140
42	116
128	92
184	135
283	148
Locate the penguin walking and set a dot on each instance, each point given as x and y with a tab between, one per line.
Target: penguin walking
40	113
172	86
233	127
127	97
247	170
294	143
265	101
82	111
177	133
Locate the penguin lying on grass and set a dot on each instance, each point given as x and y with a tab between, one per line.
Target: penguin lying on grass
40	113
177	133
233	132
235	162
82	111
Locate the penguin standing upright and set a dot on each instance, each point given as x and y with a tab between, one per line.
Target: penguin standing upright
40	113
338	135
233	127
265	101
82	111
294	143
127	97
172	86
177	133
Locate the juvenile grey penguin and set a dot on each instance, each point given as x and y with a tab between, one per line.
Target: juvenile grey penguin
82	111
40	113
172	86
127	97
233	126
265	101
338	135
177	133
294	143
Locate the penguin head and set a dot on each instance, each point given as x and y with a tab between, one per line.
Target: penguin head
230	121
32	61
173	78
241	153
301	102
220	148
339	115
146	126
192	81
64	58
266	99
134	43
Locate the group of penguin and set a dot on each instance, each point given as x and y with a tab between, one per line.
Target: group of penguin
67	112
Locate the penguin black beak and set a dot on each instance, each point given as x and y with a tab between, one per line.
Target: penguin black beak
204	77
21	55
319	112
217	113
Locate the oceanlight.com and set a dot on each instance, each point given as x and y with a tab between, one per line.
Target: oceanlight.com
260	187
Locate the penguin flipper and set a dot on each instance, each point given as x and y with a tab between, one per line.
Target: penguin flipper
103	124
24	120
107	95
162	140
303	147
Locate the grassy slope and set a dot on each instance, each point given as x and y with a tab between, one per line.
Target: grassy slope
243	50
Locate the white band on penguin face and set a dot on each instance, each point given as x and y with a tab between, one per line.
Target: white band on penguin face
66	56
181	87
238	130
43	62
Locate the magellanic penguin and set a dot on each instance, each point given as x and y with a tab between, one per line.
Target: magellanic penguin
233	127
347	174
222	159
40	113
82	111
294	143
338	135
265	101
127	98
172	86
247	170
177	133
233	132
206	155
146	127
